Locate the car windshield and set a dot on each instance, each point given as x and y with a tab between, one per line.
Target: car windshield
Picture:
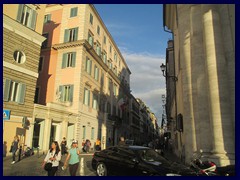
150	155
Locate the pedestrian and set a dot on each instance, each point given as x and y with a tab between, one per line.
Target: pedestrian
122	141
73	158
88	145
53	156
63	146
14	148
84	146
98	145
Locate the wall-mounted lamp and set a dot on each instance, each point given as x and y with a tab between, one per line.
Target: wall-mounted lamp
163	68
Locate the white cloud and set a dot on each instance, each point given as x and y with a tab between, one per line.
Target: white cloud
147	82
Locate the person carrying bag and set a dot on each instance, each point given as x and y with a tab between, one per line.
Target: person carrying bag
51	161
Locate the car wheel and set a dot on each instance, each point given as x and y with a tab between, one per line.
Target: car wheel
101	169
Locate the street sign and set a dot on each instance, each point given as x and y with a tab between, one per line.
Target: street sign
6	114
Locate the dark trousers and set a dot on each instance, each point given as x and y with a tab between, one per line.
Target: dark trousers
13	155
53	171
73	169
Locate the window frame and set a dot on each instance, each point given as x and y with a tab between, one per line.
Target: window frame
73	12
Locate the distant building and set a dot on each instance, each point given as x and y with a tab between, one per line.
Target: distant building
22	40
83	88
201	103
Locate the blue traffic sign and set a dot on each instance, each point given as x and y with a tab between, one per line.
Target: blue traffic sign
6	114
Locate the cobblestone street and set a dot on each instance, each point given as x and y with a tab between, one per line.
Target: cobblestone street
31	166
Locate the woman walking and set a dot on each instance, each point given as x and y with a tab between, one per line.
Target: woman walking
14	148
53	156
73	157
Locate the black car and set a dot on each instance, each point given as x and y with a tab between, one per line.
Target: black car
136	161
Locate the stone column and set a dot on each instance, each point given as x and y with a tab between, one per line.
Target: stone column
199	82
185	58
220	114
64	127
46	135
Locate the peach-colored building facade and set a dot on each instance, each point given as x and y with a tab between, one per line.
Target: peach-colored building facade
83	78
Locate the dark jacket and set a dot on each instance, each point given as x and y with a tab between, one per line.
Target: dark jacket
15	146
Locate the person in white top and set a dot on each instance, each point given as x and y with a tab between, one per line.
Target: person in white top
53	156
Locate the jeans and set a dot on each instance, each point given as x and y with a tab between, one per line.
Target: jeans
53	171
73	169
14	155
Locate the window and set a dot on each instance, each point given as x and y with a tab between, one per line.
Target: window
88	66
98	49
110	48
73	12
110	64
27	16
66	93
92	134
115	57
45	43
69	60
96	73
98	30
115	70
40	64
105	57
115	90
105	40
110	84
102	79
91	18
95	101
14	91
84	132
108	108
36	97
47	18
86	99
19	57
71	35
90	39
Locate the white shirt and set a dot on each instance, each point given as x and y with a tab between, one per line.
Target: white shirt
49	155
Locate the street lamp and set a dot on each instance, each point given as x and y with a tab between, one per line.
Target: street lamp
163	68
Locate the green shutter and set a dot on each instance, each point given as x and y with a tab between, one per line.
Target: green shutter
20	10
75	34
73	59
64	61
71	93
61	92
33	20
66	35
21	96
86	64
49	17
76	11
88	97
6	90
90	67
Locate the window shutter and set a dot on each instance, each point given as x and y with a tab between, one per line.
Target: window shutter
71	93
66	35
73	59
33	20
61	92
86	64
49	17
64	61
76	11
6	89
21	96
20	10
88	97
90	40
90	66
76	34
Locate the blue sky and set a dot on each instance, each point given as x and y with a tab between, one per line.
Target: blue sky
138	31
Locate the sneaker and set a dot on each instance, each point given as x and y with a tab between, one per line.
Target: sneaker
13	162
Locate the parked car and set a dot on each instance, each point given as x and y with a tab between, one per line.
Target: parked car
129	142
136	161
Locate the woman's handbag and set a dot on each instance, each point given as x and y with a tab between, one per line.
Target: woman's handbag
48	166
